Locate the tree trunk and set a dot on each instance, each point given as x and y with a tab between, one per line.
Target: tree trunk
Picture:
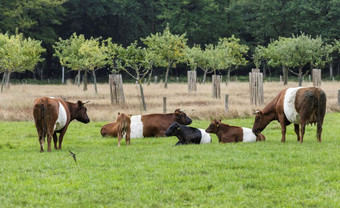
330	70
3	81
204	76
142	94
8	79
78	76
150	76
95	81
85	80
166	76
228	76
285	75
264	70
300	77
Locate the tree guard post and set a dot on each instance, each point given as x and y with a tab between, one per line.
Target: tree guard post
256	87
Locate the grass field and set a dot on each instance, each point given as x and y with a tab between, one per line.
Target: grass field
152	172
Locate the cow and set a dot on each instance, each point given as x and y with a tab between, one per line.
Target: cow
227	134
187	135
123	127
300	106
151	125
53	115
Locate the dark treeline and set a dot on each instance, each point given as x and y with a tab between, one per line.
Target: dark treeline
255	22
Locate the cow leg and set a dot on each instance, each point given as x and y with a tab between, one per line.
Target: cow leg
49	138
41	142
119	138
319	131
283	131
55	140
297	131
127	138
61	136
303	126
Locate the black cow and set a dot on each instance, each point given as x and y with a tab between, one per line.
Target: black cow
188	135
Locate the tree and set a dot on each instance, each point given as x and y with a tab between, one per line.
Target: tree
137	59
298	52
68	53
168	48
232	53
94	57
197	58
18	54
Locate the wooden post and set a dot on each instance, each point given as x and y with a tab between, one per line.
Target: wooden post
316	77
309	78
256	87
226	98
216	90
116	88
338	97
164	104
177	79
192	81
156	79
280	78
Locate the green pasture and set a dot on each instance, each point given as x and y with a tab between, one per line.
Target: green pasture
152	172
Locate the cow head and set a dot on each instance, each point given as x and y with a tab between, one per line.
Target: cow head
260	122
173	129
81	114
182	118
213	127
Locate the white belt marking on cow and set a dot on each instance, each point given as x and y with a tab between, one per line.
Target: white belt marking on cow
205	137
289	105
62	118
136	127
248	135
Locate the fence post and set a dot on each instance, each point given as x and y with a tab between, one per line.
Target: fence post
62	75
156	79
256	87
164	104
226	98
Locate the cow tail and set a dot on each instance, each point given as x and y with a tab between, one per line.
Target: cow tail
43	117
318	116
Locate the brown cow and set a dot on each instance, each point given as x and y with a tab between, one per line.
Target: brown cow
152	125
299	106
226	133
123	127
53	115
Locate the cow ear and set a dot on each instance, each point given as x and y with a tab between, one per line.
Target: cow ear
177	110
219	120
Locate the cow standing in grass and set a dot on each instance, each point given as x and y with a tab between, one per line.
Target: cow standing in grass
151	125
227	134
53	115
123	127
300	106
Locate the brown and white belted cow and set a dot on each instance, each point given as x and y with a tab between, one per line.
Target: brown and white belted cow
152	125
53	115
300	106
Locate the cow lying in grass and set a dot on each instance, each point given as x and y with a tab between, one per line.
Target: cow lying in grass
187	135
226	133
151	125
123	127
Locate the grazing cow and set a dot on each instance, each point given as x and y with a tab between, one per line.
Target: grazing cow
299	106
188	135
226	133
123	127
152	125
53	115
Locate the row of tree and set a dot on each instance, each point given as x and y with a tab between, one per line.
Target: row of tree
18	54
254	22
